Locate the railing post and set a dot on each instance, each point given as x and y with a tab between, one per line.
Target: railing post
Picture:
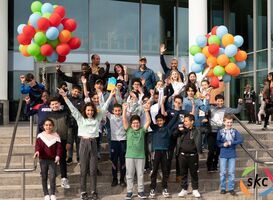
256	172
31	130
23	180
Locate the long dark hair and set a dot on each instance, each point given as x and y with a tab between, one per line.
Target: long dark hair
93	107
122	70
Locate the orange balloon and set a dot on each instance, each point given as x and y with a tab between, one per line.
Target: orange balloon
205	51
227	39
232	69
211	61
64	36
210	74
222	60
24	51
240	56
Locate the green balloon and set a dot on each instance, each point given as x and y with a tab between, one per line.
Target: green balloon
54	43
33	49
46	15
214	39
39	57
40	38
194	49
36	6
219	71
39	13
232	60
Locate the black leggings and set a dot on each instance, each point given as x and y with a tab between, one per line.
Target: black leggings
268	112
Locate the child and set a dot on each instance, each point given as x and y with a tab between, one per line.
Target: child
216	122
48	149
118	145
187	148
160	145
88	129
61	120
227	139
135	153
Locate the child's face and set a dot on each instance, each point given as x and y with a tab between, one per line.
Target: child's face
119	86
117	111
177	104
190	92
98	86
204	85
156	97
75	92
89	111
220	103
135	125
45	97
188	123
95	99
174	76
48	126
192	78
160	122
136	86
159	84
228	123
55	105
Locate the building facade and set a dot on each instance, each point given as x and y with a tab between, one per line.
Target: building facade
121	31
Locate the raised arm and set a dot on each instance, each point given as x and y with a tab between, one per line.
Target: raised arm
84	83
68	79
162	60
147	116
236	110
163	111
124	116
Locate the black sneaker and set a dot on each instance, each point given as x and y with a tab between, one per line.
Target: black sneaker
232	192
223	192
94	196
114	183
84	196
122	183
69	161
152	194
129	196
142	195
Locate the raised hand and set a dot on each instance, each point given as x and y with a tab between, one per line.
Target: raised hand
61	92
58	67
107	63
162	48
22	78
124	106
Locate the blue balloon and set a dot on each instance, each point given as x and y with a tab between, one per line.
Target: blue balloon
221	31
230	50
196	67
238	40
53	57
33	19
47	8
226	78
199	58
20	28
60	27
52	33
241	65
201	40
221	51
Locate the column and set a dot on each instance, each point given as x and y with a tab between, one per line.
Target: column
198	21
4	59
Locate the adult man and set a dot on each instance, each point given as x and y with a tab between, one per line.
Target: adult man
98	72
145	74
174	64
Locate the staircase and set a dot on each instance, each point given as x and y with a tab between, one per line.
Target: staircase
10	183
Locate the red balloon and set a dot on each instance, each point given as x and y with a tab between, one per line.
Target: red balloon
74	43
29	31
213	30
213	49
214	82
46	50
23	39
70	24
63	49
61	59
55	19
207	36
60	11
43	24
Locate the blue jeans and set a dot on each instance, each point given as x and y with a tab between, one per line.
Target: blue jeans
227	163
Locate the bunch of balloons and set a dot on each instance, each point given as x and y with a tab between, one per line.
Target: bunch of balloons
218	54
48	35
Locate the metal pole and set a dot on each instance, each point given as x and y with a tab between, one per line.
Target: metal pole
256	172
31	130
23	180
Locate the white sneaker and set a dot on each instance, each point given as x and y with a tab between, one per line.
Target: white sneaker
64	183
53	197
183	193
196	194
47	197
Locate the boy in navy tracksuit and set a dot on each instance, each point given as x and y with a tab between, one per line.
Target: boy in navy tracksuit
160	144
227	139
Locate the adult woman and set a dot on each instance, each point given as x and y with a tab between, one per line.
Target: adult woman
268	98
121	72
176	82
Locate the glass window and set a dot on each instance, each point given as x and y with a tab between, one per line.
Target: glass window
262	59
21	12
216	13
261	24
183	28
249	63
114	27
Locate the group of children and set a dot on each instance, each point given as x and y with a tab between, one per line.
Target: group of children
178	118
